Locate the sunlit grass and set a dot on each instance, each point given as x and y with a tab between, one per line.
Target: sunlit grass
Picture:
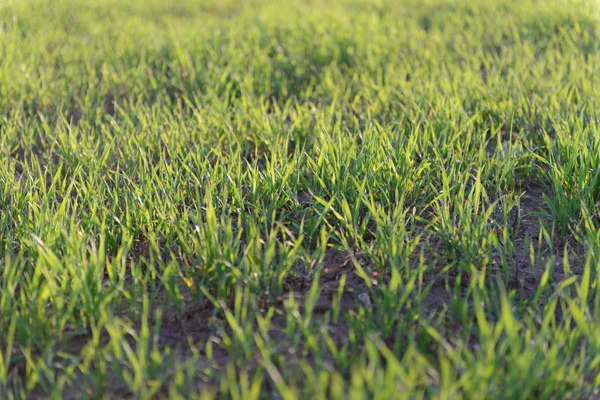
345	199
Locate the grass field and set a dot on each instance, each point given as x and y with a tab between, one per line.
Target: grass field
300	199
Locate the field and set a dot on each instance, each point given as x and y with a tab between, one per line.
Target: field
300	199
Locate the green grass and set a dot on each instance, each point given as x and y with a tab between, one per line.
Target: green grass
319	199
